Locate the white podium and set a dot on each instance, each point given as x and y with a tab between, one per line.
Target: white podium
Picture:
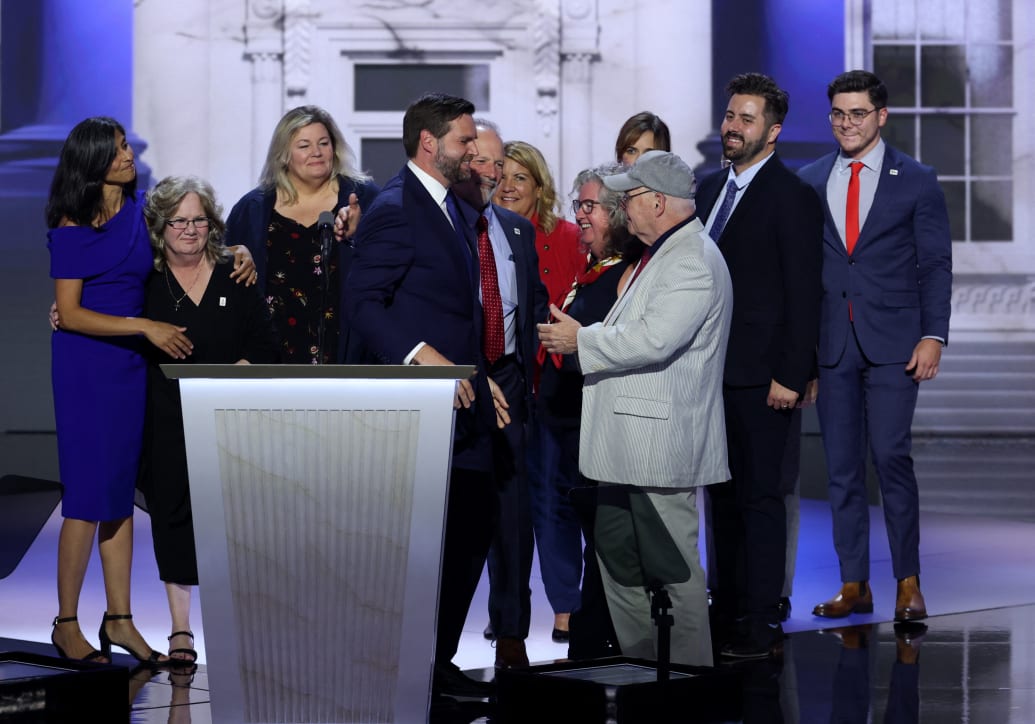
319	499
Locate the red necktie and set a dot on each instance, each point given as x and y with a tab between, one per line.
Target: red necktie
639	267
852	208
492	303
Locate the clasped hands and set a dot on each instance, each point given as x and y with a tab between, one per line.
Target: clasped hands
464	397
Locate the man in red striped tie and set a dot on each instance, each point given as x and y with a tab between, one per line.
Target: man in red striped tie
887	279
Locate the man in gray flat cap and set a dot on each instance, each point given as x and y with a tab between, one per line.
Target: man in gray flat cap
652	415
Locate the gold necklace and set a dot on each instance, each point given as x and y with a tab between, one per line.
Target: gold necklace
176	302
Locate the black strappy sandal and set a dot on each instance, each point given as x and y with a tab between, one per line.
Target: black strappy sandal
190	656
151	659
94	654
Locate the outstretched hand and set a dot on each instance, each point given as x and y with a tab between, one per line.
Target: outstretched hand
560	336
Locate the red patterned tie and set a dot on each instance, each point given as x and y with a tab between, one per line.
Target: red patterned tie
852	208
492	303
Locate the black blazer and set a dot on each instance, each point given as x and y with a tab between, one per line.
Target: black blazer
773	246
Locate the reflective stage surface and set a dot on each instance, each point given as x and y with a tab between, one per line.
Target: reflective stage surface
974	667
974	663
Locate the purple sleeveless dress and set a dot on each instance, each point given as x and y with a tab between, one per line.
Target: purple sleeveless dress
100	382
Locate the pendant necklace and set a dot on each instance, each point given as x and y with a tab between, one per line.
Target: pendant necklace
176	302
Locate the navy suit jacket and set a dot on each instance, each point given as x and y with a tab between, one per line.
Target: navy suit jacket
899	277
532	295
413	280
772	246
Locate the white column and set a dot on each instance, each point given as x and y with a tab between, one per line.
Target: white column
576	117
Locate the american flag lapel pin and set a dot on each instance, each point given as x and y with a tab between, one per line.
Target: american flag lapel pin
893	172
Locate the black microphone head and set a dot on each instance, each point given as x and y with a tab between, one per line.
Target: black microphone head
326	219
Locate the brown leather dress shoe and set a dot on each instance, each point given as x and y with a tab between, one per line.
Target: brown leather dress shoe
510	653
909	602
854	597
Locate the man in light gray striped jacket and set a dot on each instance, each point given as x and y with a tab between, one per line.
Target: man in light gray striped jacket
652	414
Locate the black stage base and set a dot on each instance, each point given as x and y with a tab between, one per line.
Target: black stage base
626	691
36	689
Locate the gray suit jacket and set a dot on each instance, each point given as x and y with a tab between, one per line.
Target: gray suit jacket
652	411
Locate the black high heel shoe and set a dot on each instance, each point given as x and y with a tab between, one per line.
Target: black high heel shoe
190	656
92	656
153	659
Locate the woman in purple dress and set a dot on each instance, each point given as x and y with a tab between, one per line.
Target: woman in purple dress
100	259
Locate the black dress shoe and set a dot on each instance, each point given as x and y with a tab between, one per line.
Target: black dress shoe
448	679
560	636
757	641
511	653
488	633
783	609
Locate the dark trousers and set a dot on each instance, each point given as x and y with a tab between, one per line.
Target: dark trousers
558	534
592	634
470	517
858	401
749	522
513	544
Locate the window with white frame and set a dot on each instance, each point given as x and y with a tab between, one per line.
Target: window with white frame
949	68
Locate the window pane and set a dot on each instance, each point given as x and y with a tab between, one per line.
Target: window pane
990	209
991	145
942	143
989	20
382	157
991	76
955	200
894	19
943	20
393	87
943	72
896	66
900	132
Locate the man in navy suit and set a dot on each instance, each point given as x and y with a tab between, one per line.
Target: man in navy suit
769	226
887	280
523	300
413	298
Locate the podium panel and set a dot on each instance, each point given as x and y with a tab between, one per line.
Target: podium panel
319	509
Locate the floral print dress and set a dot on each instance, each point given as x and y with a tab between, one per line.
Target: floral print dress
300	298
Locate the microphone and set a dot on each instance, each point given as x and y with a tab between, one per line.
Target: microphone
325	227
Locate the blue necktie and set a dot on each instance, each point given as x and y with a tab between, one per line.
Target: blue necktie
724	211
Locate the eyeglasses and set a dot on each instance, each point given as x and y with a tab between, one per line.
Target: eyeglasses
180	224
624	203
856	116
584	205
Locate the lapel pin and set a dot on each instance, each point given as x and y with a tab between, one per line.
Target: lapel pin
222	301
517	231
893	172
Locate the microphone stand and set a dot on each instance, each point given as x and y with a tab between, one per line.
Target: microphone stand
326	248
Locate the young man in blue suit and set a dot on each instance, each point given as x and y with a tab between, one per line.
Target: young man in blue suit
413	298
511	240
887	279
